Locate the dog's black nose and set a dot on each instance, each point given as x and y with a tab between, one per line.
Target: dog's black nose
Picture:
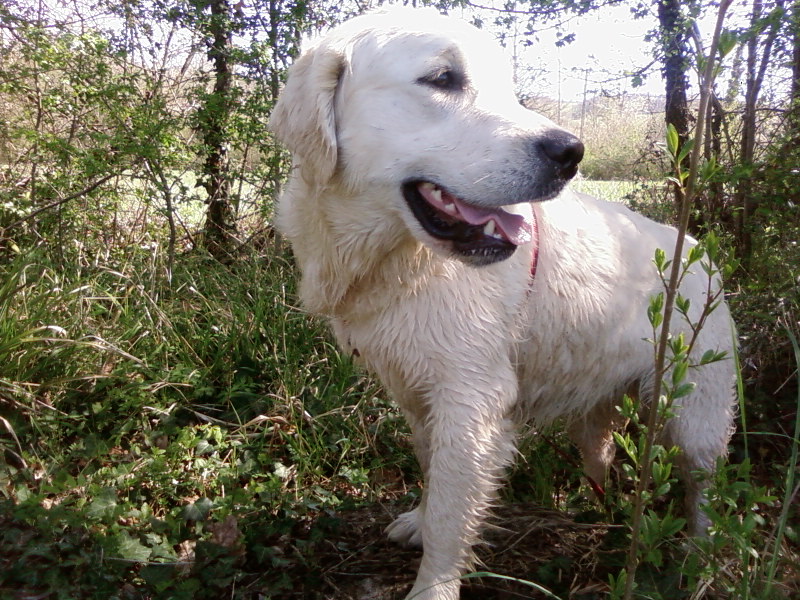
564	149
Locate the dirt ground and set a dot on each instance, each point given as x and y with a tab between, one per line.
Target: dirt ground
523	542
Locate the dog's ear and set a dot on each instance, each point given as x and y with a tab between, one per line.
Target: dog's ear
304	118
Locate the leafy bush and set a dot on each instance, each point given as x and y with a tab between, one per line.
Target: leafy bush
146	421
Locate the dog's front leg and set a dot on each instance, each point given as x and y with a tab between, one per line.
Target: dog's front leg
471	441
406	529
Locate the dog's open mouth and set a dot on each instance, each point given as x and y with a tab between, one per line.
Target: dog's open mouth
485	234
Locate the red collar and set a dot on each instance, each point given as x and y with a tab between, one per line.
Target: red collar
534	242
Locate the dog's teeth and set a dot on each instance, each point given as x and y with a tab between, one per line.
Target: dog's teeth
437	195
450	208
490	229
427	185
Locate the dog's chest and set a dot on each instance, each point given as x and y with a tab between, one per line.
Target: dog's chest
420	335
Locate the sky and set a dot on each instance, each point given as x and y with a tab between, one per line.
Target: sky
608	42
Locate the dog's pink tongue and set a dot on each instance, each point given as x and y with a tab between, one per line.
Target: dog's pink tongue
515	228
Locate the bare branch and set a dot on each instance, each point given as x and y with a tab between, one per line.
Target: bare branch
83	192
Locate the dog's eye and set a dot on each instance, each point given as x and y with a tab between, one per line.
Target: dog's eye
444	79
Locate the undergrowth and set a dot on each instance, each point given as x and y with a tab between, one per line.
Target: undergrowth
203	438
144	424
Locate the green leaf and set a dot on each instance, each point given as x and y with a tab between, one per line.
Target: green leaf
626	443
656	471
685	150
158	576
661	489
653	556
654	310
695	254
678	346
672	525
104	504
683	390
710	356
628	408
708	169
679	372
727	42
130	548
730	268
682	304
199	510
701	63
672	140
618	584
660	260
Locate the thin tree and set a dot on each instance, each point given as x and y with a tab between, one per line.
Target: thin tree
795	90
675	32
760	41
686	192
214	115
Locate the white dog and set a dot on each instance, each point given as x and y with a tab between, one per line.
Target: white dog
428	214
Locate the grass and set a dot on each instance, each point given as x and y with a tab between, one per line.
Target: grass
156	413
205	439
649	197
613	191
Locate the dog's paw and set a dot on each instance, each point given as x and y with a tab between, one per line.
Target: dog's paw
405	529
428	590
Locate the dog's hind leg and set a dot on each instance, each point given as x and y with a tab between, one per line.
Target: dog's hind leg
701	428
593	435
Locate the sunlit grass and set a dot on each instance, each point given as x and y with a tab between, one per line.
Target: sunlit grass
613	191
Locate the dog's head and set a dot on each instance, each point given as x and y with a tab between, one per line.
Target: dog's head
416	111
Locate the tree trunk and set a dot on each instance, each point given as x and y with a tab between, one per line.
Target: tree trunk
794	111
674	42
715	201
273	33
220	214
758	59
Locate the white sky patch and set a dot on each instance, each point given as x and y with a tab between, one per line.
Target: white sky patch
609	42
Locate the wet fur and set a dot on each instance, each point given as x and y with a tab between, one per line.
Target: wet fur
468	353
